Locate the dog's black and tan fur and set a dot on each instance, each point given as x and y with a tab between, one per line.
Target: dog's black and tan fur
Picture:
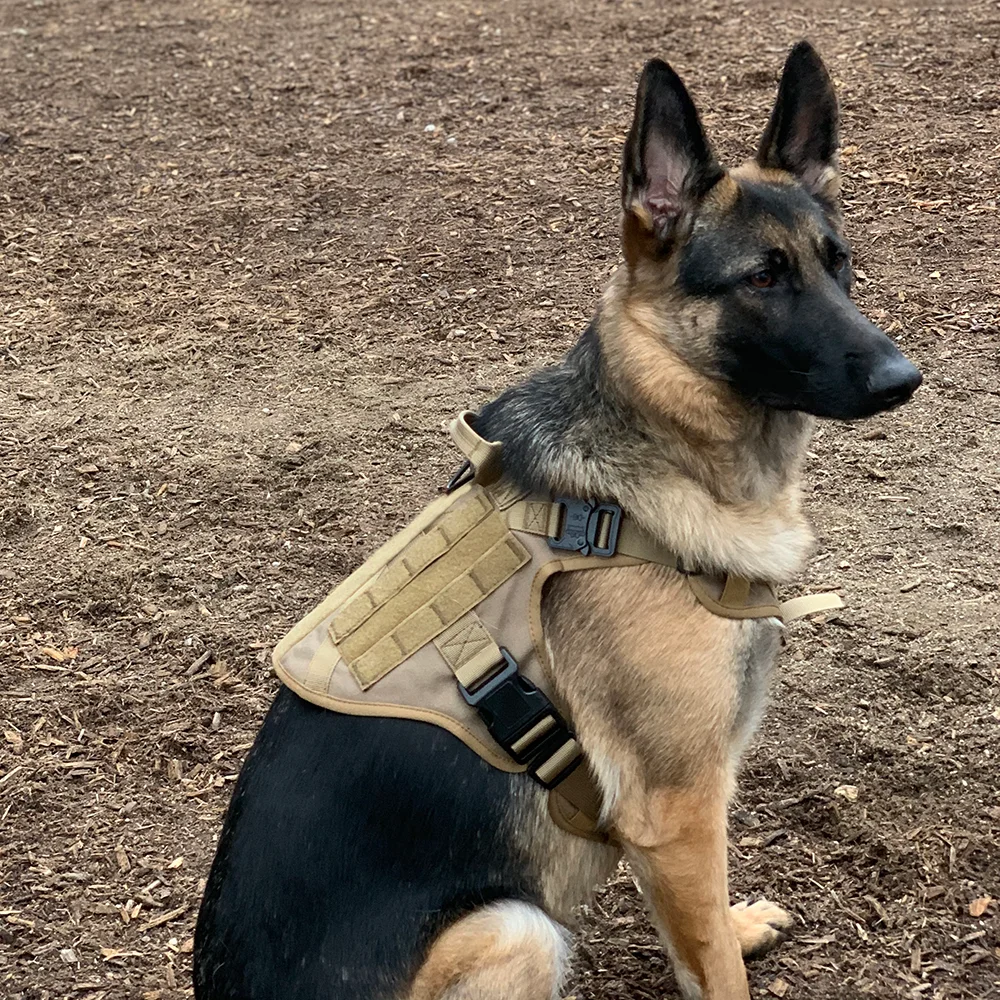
378	859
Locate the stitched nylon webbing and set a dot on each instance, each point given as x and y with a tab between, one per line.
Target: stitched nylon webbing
454	524
505	493
809	604
472	654
735	592
469	650
541	517
483	455
478	563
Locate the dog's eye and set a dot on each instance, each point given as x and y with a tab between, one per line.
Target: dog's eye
839	262
763	279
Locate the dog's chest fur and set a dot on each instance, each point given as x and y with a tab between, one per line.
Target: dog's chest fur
760	643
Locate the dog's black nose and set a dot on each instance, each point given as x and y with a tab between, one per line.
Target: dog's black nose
893	382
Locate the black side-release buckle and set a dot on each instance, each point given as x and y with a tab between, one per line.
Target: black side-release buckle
588	527
521	719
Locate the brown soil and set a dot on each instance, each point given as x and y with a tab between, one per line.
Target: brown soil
256	253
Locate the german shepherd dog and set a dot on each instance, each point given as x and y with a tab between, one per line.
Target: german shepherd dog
381	859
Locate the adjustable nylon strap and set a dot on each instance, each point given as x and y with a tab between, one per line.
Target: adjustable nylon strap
542	517
475	659
809	604
469	650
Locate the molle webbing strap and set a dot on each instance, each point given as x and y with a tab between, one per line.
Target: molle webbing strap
418	555
483	455
377	639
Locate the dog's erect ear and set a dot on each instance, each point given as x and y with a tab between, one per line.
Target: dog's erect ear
667	165
801	136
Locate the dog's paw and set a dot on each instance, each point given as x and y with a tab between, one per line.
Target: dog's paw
760	926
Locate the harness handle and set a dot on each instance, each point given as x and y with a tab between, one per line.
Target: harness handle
482	456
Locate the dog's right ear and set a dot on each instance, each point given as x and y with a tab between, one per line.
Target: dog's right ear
667	164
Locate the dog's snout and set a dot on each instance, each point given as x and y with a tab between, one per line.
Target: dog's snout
893	382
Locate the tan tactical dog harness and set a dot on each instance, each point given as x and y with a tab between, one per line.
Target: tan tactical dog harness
443	623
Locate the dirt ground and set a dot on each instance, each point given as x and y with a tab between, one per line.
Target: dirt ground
254	255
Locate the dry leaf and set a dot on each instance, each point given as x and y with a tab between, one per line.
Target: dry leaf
979	906
849	792
187	946
123	861
778	988
68	955
176	863
14	739
54	654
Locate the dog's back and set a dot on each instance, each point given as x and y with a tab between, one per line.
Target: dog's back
349	844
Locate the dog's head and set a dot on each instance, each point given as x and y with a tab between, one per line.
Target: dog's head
754	258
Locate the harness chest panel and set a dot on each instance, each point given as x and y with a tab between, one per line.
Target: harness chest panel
450	608
396	667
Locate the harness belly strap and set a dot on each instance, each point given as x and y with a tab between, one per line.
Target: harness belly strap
443	623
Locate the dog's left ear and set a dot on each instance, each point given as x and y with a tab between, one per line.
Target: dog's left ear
667	164
802	135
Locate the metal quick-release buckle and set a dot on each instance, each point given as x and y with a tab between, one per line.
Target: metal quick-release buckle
588	527
522	720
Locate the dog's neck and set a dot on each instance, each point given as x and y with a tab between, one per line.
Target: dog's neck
715	480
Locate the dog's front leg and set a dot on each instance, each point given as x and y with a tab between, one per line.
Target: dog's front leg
676	844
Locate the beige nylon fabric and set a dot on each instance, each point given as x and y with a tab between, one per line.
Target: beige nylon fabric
809	604
422	686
